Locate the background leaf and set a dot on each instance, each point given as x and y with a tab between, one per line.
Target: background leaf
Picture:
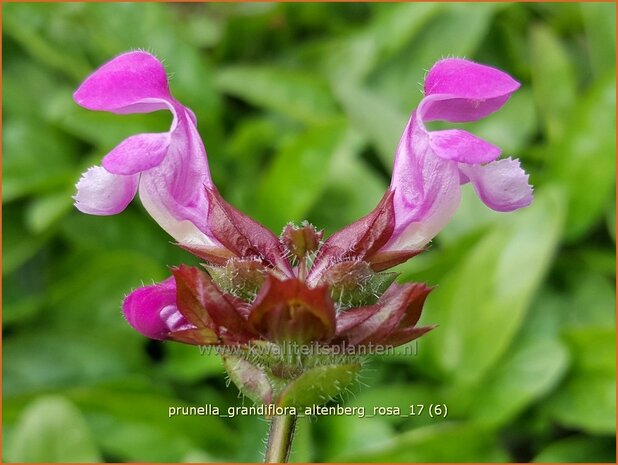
52	430
301	107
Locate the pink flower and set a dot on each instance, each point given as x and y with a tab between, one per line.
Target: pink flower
169	170
429	168
294	288
431	165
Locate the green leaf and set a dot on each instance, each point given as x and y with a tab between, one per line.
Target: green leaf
287	191
131	231
50	430
23	244
46	210
349	61
343	201
36	362
457	31
250	379
553	79
587	402
346	435
146	431
301	96
104	278
600	24
590	291
481	303
402	396
529	371
186	364
23	23
303	445
26	85
579	449
534	365
447	442
36	159
375	117
593	348
611	219
584	160
318	385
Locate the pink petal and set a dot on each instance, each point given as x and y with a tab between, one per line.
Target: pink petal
502	185
100	192
173	192
426	189
152	310
461	146
465	91
133	82
137	153
186	224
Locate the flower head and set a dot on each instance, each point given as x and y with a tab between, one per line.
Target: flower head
260	289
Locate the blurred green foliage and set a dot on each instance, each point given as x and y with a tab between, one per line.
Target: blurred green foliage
301	107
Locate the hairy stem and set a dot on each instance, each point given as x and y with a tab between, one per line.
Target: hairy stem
280	439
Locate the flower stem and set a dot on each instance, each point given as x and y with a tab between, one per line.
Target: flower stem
280	438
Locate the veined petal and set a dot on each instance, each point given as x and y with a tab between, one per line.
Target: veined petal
173	191
459	145
152	310
137	153
243	236
502	185
399	308
459	90
173	166
205	306
133	82
426	190
179	221
100	192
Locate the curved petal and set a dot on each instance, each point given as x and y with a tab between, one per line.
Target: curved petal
137	153
426	189
173	192
133	82
173	166
100	192
178	221
502	185
459	145
152	310
465	91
